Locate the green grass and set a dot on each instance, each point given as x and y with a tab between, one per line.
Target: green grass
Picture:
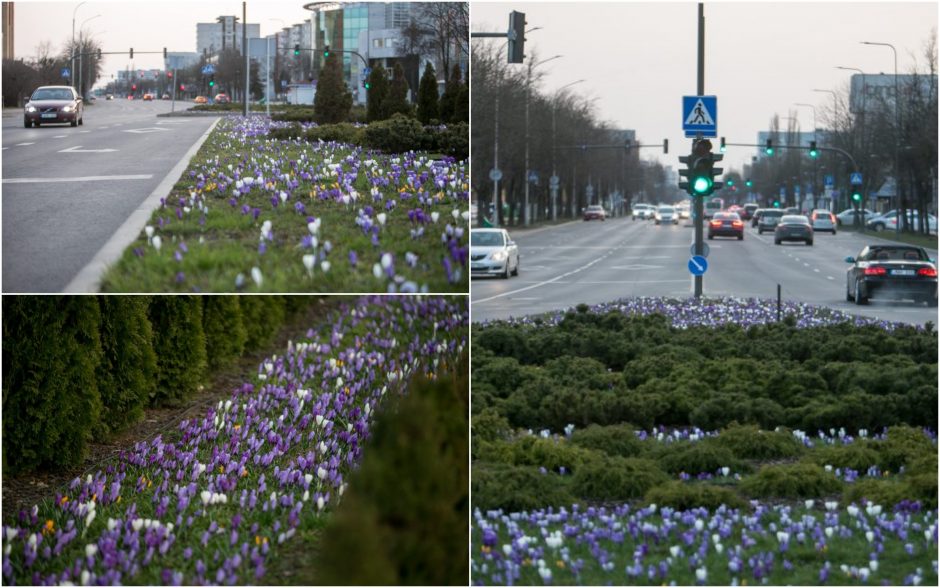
926	241
224	242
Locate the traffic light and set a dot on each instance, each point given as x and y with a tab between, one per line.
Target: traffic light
856	194
169	75
366	84
730	182
326	51
723	148
211	81
132	53
748	183
516	36
776	204
665	146
769	150
813	152
297	49
134	87
182	87
99	54
164	54
700	169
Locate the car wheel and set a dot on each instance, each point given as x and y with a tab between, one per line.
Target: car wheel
27	124
859	299
741	237
515	272
878	227
74	123
710	237
833	232
776	241
760	232
506	271
81	121
809	242
848	293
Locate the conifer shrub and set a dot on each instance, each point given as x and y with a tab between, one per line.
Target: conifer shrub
51	346
126	374
858	456
225	332
800	480
517	488
261	317
695	458
404	519
614	440
552	454
686	496
616	478
180	346
903	446
750	442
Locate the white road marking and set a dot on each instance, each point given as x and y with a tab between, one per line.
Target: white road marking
816	270
77	179
806	264
84	131
23	144
4	149
59	136
78	149
636	267
536	285
145	130
829	278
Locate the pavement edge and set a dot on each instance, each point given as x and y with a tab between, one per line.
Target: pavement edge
88	280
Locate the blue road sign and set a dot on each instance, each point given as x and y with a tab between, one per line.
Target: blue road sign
208	69
830	181
700	115
65	72
534	177
856	179
698	265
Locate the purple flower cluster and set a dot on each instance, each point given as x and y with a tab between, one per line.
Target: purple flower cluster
208	506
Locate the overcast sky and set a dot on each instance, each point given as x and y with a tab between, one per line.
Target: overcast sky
639	59
145	26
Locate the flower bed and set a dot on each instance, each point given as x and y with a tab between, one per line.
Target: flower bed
254	213
211	503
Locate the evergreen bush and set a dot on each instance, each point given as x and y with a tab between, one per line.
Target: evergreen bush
750	442
800	480
261	318
517	488
427	96
686	496
333	100
180	346
614	440
616	478
225	333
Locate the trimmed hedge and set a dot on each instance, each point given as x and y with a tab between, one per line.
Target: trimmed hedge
180	344
419	448
50	396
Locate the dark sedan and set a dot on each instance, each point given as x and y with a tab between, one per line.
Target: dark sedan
793	227
767	219
726	224
896	272
53	104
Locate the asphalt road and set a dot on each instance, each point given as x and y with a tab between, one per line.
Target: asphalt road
593	262
67	190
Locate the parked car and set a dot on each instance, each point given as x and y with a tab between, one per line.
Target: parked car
889	221
166	96
643	211
893	272
793	227
823	220
200	100
595	212
666	214
769	217
726	224
222	98
847	216
53	104
493	253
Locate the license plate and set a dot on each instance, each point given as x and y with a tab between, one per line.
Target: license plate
902	272
49	115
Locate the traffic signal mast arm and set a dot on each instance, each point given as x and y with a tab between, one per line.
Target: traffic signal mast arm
329	50
627	146
833	149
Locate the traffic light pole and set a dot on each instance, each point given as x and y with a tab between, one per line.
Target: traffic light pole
699	204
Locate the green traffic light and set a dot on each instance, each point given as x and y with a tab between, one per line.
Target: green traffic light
730	183
856	197
701	185
813	153
769	151
749	183
776	204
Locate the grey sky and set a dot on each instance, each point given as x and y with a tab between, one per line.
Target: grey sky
639	59
145	26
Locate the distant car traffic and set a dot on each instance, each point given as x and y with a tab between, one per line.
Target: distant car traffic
791	210
768	219
166	96
892	272
847	216
793	227
684	209
747	211
222	99
200	100
493	253
726	224
823	220
713	206
643	211
53	104
109	97
595	212
666	214
148	96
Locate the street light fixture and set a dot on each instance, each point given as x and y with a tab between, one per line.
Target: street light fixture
528	83
558	93
897	134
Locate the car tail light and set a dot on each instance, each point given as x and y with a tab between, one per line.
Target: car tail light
875	271
737	224
928	272
716	223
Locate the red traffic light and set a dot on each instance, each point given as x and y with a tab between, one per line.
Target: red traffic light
169	74
134	87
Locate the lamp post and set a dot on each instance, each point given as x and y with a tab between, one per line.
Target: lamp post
861	126
72	65
897	135
554	173
277	54
799	134
81	58
528	83
815	158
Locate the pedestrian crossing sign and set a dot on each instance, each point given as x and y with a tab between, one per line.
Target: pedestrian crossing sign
700	116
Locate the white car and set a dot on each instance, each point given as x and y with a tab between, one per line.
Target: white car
666	214
889	221
684	210
643	211
493	253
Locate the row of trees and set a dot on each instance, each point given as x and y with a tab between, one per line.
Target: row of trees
78	367
868	132
559	124
22	76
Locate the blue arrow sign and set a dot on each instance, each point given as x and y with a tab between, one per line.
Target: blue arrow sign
698	265
700	115
856	179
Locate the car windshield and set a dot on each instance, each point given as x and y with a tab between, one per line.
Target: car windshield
486	238
792	219
771	214
715	205
894	254
666	209
594	208
52	94
727	216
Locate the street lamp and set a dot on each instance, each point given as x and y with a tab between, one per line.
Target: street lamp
528	83
815	159
799	134
72	65
81	58
554	172
897	135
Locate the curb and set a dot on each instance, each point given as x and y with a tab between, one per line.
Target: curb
88	280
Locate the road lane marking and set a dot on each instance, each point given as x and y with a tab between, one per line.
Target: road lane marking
78	149
537	284
59	136
84	131
145	130
78	179
816	270
829	278
23	144
806	264
638	266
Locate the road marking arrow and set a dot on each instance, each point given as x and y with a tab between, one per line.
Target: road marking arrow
78	149
145	130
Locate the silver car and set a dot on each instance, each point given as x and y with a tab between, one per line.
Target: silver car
493	253
666	214
823	220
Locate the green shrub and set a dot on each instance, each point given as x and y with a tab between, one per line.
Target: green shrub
407	510
503	373
126	375
262	316
225	333
339	133
858	456
749	442
551	454
180	345
903	446
494	451
298	114
397	134
488	425
453	140
695	458
801	480
685	496
887	493
517	488
923	487
51	347
614	440
288	133
616	478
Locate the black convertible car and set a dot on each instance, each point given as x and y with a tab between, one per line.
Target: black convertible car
896	272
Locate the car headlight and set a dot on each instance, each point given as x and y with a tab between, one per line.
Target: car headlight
30	109
68	108
499	256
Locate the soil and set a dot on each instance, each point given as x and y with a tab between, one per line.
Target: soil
22	491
